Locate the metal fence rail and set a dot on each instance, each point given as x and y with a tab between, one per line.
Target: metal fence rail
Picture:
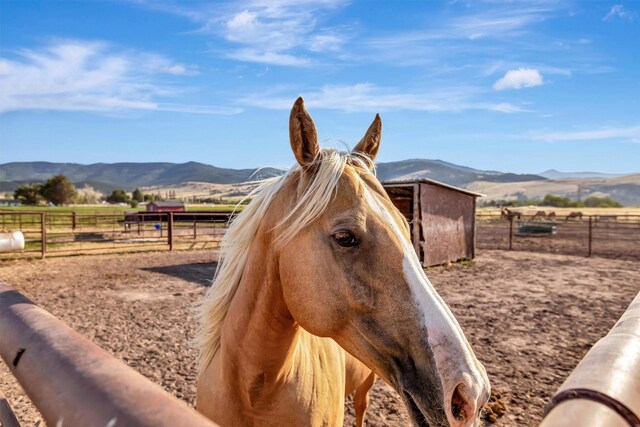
72	381
7	417
69	232
614	236
604	389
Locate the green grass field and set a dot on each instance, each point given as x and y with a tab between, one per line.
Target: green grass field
86	209
81	217
77	208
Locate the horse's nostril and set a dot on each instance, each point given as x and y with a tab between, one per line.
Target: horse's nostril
458	404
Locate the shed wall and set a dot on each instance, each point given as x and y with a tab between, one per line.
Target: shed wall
448	219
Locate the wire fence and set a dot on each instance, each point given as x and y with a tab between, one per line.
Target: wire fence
612	236
68	233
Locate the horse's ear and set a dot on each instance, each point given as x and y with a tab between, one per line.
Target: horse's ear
302	134
370	143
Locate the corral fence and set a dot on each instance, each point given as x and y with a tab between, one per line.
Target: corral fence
77	232
612	236
82	232
604	389
72	381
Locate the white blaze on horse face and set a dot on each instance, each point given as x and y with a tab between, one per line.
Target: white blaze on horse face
455	361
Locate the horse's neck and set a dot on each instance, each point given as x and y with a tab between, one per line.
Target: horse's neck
259	332
268	368
265	357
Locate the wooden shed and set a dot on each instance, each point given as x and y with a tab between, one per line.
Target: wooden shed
168	206
442	218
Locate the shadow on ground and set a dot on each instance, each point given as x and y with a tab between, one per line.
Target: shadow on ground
199	273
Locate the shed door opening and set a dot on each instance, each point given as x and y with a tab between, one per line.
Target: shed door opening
406	199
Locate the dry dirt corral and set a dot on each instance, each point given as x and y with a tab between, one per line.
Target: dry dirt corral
530	317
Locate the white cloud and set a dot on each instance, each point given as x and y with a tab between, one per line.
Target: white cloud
629	133
505	107
618	11
270	58
73	75
153	63
366	97
517	79
498	22
283	32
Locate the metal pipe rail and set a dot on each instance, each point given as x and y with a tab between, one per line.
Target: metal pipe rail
72	381
7	417
604	389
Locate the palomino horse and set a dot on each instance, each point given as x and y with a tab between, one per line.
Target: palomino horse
318	280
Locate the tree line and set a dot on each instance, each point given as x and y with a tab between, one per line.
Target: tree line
559	202
60	191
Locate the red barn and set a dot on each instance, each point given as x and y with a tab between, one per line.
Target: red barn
168	206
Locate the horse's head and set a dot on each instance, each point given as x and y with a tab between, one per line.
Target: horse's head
353	275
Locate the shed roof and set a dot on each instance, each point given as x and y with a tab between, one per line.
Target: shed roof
401	183
168	204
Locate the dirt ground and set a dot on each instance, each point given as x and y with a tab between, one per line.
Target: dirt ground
530	317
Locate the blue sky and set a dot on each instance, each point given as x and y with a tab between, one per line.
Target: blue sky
504	85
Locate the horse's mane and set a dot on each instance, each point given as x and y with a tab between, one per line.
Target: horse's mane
327	169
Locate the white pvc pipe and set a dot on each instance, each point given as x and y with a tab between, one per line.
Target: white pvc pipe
11	241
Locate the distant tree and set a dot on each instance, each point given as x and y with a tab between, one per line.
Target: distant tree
59	190
560	202
149	197
137	195
88	196
601	202
29	194
118	196
133	203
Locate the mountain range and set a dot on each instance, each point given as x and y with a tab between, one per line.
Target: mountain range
106	177
554	174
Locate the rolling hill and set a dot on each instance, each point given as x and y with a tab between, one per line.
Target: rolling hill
195	179
446	172
554	174
106	177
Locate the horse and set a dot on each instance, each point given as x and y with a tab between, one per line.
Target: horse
506	213
577	215
551	215
319	290
540	214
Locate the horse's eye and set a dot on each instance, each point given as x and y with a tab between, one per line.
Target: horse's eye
346	239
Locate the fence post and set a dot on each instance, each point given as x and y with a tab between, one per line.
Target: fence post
43	233
510	232
195	228
170	230
590	233
73	220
